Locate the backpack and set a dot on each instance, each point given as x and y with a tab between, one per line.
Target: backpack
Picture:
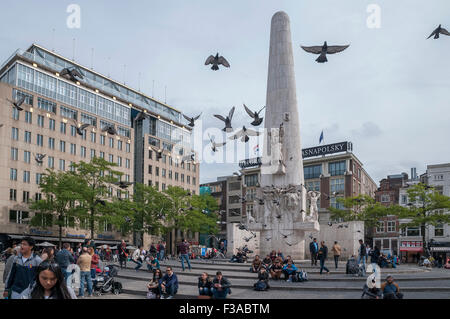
260	286
302	276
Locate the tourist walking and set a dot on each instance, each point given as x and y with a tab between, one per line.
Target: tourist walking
48	254
84	262
314	249
205	285
336	253
168	284
64	258
221	286
123	255
323	253
162	251
49	283
184	253
23	269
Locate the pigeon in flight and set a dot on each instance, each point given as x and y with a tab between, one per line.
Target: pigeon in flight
244	134
123	184
438	30
215	145
80	127
100	201
242	198
227	120
188	158
158	152
324	50
110	129
192	119
216	61
260	201
71	73
289	244
268	238
239	176
141	116
285	236
255	115
39	158
18	102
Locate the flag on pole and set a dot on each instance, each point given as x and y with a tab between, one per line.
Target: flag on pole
321	137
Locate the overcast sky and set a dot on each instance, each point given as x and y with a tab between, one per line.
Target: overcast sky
388	93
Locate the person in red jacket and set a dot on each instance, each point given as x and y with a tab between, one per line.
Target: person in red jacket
94	261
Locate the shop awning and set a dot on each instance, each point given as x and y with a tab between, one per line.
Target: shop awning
70	240
440	249
416	249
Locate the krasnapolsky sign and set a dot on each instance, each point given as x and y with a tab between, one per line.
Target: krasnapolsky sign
327	149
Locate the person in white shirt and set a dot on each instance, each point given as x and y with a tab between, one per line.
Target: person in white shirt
136	258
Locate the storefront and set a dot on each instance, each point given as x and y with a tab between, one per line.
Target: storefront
440	249
410	251
73	240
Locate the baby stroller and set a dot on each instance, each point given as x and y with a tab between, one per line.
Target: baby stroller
105	282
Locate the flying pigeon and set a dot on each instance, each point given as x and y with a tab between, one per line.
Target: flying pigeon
330	224
216	60
255	115
158	152
268	238
39	158
438	30
215	145
81	127
141	116
289	244
192	119
188	158
123	184
239	176
71	73
110	129
100	201
17	104
260	201
227	120
285	236
324	50
242	198
1	125
244	134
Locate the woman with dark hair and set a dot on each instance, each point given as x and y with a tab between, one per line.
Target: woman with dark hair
48	254
49	284
153	286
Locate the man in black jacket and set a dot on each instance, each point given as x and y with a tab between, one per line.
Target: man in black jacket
221	286
314	249
323	254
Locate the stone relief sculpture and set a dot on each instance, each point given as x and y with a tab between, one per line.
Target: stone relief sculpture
313	210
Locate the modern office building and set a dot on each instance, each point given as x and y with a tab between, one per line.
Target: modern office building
54	105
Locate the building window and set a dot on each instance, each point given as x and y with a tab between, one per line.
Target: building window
37	196
13	174
38	178
14	154
51	143
404	199
127	163
28	117
157	171
40	121
51	162
93	137
188	179
73	149
15	133
127	147
15	114
119	161
439	230
176	176
102	139
194	181
83	151
25	196
92	153
27	137
413	231
334	203
385	198
73	130
13	194
337	185
251	180
26	157
234	186
26	176
163	187
119	145
62	146
51	124
111	142
380	227
40	140
102	155
182	178
312	171
111	158
313	186
17	216
391	226
62	165
62	128
336	168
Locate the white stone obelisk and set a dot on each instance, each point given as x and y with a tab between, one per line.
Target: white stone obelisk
281	220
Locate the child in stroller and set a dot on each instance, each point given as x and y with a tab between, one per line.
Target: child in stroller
104	282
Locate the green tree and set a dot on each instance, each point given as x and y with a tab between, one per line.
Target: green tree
426	207
59	200
95	177
359	208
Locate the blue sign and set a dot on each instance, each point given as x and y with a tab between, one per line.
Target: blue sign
40	232
76	236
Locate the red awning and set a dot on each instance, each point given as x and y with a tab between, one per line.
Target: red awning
418	249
